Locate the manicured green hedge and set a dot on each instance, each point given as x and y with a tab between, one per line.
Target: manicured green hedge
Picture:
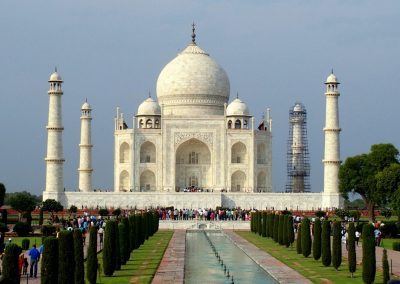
49	259
91	261
66	260
317	239
369	257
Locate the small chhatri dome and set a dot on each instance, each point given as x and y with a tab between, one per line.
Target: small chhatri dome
149	107
55	77
193	83
298	107
237	108
332	79
86	106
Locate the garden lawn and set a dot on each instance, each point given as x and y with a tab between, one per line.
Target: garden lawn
310	268
387	243
143	262
32	240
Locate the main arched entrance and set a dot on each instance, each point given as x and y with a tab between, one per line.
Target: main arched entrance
193	165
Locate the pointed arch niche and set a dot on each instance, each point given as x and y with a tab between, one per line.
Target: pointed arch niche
238	180
147	152
124	181
147	181
124	153
239	153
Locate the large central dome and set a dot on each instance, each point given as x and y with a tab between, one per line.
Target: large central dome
193	84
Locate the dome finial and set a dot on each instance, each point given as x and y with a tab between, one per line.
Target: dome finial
55	68
193	33
332	71
237	95
149	94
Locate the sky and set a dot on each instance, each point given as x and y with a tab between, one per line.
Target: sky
275	54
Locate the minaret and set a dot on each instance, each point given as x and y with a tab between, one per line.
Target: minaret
332	130
54	159
85	154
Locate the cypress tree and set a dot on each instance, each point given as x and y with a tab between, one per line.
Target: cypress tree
110	247
276	228
117	248
10	271
272	225
41	217
298	239
285	231
385	267
78	254
369	257
326	243
252	222
317	239
144	226
352	249
305	237
141	232
66	259
132	233
259	219
280	230
138	228
122	242
91	265
290	230
336	245
128	250
264	224
49	265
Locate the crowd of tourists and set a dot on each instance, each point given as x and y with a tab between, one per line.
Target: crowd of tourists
204	214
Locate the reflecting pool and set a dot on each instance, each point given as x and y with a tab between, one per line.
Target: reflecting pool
210	255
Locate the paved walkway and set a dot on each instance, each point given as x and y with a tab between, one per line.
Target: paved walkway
172	266
37	280
279	271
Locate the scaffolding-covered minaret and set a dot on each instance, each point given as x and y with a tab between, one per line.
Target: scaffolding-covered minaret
298	163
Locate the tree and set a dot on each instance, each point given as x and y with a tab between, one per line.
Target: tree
285	240
103	212
73	209
2	193
352	249
326	243
123	242
10	264
317	239
117	248
49	265
22	202
78	254
369	257
280	230
132	233
298	240
385	267
66	260
276	228
264	224
290	230
110	247
41	217
336	245
52	206
305	237
259	225
91	261
360	174
127	252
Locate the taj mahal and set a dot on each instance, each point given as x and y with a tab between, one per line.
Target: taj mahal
191	146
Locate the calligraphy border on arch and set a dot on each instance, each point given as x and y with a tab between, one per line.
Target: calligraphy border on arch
206	137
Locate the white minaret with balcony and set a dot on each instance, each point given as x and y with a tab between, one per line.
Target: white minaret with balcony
85	150
54	159
332	130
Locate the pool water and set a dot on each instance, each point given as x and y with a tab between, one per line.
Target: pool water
203	266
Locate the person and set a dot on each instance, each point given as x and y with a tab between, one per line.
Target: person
358	235
377	234
8	243
25	266
35	256
101	232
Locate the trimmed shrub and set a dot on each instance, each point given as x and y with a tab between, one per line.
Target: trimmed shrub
355	214
140	229
320	214
22	229
252	229
390	230
305	237
385	267
10	271
110	247
91	261
259	225
122	242
128	250
396	246
326	256
49	265
298	239
290	230
317	239
117	248
276	228
41	217
25	244
272	225
336	245
66	260
352	249
78	254
103	212
48	230
280	230
369	257
264	224
285	230
132	232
